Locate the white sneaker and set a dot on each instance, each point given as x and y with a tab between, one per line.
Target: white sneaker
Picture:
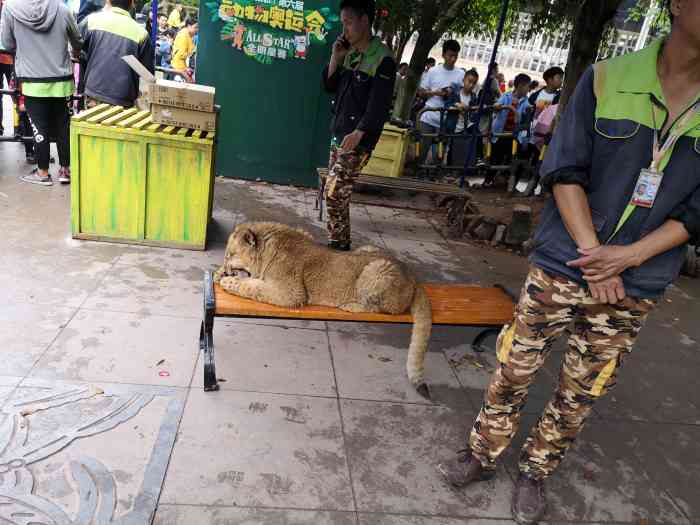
35	178
64	175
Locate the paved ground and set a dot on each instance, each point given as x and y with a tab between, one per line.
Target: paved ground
103	416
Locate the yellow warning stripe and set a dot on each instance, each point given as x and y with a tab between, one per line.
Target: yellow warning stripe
104	115
83	115
134	119
505	343
120	116
603	377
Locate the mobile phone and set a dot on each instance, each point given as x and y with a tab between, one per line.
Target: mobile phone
345	42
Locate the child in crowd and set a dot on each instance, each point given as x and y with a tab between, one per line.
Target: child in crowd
510	115
467	98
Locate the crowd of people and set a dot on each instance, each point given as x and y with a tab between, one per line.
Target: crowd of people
55	60
518	108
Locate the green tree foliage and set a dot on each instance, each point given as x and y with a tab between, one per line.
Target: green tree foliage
431	20
661	23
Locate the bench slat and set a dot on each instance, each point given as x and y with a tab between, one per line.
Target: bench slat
453	304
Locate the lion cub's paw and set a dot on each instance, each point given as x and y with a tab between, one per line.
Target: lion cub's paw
231	284
219	274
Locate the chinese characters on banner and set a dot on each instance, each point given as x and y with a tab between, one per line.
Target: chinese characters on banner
270	30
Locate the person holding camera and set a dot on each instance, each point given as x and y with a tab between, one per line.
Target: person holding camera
437	85
361	76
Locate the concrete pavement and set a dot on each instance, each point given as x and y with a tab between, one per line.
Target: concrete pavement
103	416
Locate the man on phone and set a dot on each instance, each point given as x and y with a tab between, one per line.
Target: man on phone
361	76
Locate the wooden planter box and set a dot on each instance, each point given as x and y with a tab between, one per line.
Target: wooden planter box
140	183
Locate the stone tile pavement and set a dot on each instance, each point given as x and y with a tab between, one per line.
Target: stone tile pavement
103	418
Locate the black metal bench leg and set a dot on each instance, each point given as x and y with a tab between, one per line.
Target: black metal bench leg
321	197
481	337
206	335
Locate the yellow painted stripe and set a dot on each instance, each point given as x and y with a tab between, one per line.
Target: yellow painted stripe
120	116
154	127
544	150
515	146
112	111
143	123
183	132
505	343
197	133
603	377
84	115
134	119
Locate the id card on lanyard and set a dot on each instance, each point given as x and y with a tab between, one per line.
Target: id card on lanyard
649	181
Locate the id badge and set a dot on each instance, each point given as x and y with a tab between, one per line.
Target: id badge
647	188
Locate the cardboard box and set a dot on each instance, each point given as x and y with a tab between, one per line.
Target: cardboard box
181	95
177	103
183	118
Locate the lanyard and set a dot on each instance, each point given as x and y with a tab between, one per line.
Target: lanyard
658	153
676	133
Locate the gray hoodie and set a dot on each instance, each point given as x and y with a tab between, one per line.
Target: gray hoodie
38	32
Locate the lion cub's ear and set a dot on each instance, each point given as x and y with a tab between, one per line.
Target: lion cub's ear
250	238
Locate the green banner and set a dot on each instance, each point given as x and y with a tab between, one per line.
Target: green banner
268	30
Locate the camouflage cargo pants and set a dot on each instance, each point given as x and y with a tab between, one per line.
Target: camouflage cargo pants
343	168
601	335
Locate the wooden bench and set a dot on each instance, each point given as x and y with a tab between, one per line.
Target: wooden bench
455	212
453	305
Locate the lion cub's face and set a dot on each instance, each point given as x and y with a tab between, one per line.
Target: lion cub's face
240	252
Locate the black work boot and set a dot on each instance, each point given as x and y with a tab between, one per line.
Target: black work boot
340	246
462	469
529	502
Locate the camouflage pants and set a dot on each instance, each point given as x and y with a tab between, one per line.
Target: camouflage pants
600	336
343	168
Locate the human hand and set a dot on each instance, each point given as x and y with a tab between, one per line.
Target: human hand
339	49
352	140
602	262
609	291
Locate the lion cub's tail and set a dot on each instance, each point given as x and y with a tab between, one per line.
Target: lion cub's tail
422	325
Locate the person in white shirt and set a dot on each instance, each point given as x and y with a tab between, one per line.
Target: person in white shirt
436	86
467	97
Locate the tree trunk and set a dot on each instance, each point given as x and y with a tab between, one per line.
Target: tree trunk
402	39
591	20
434	19
389	39
407	92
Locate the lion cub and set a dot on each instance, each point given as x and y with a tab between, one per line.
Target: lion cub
286	268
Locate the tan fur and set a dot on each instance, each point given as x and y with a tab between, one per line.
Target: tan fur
288	269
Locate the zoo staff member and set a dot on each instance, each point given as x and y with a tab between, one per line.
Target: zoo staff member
361	76
623	167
